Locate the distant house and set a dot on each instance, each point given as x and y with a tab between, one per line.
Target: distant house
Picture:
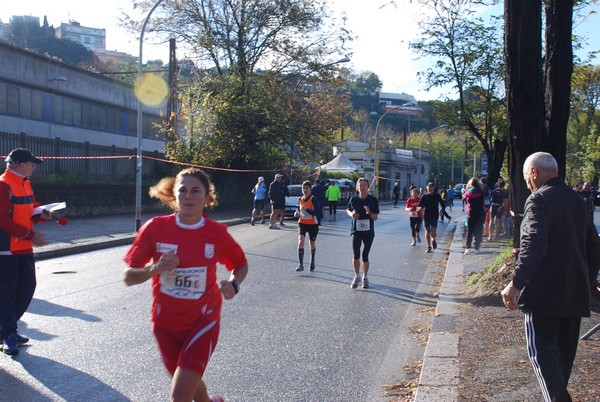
406	166
93	39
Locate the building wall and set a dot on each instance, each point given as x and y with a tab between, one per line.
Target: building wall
46	98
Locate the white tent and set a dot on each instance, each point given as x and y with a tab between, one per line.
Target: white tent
340	164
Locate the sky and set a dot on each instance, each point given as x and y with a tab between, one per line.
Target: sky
381	46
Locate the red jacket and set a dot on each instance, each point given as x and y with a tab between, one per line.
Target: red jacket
16	208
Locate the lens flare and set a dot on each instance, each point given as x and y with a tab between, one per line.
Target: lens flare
151	90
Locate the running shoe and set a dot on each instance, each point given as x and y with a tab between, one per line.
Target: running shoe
414	243
300	268
11	345
354	283
252	222
273	227
434	244
468	251
428	250
281	224
312	266
365	283
21	339
418	239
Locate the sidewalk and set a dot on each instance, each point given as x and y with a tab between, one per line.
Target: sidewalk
476	348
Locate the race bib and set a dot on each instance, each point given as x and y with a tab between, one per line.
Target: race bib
414	214
184	283
363	225
166	248
305	215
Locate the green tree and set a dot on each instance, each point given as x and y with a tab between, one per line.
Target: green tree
583	140
468	55
255	53
28	34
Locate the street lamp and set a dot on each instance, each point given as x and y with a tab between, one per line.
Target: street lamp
376	155
342	60
421	143
138	186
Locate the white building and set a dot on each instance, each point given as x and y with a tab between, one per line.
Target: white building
93	39
407	166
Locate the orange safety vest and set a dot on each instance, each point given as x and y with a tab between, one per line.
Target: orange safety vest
311	219
21	198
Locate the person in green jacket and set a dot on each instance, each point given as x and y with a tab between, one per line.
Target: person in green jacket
333	195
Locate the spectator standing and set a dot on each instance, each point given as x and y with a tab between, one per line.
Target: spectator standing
396	194
587	195
184	249
559	248
474	198
260	198
415	215
429	203
318	190
277	194
308	214
333	194
17	239
364	210
497	198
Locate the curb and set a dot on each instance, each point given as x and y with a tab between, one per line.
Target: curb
117	240
439	379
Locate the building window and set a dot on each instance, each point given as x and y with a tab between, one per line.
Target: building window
12	95
37	105
3	100
25	102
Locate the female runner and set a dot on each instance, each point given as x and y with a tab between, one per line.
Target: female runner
363	209
184	249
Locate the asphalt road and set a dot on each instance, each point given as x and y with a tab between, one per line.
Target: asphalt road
286	336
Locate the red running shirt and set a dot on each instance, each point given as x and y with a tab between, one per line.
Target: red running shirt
181	297
412	204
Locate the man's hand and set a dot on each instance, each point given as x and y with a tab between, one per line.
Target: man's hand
510	295
39	239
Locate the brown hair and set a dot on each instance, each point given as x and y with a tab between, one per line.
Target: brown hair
307	183
164	189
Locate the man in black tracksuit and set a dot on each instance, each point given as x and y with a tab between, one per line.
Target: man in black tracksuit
559	248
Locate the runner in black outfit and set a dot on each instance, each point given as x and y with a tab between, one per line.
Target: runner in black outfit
364	210
429	203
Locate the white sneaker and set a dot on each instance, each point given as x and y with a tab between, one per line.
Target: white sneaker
468	251
413	243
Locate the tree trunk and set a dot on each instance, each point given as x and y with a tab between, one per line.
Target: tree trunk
525	97
558	70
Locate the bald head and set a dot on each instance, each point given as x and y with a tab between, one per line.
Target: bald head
538	169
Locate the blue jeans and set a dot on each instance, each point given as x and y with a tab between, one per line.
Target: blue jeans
16	290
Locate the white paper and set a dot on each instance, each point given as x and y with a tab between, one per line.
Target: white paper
49	207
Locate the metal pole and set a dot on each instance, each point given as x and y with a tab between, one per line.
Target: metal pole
140	120
376	154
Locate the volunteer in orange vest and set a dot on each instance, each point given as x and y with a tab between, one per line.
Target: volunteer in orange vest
308	215
17	238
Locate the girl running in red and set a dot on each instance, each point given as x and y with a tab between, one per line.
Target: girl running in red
184	249
415	215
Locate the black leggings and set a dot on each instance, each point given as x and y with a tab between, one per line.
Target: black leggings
357	239
332	207
415	225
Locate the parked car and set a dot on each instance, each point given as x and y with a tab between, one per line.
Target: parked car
291	202
458	190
